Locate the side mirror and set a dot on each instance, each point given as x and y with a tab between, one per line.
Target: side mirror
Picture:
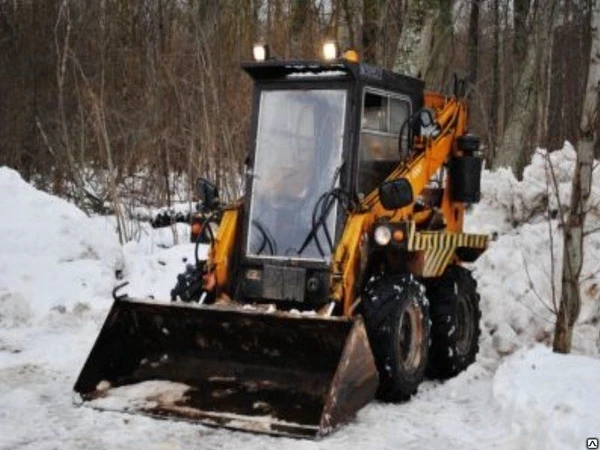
207	193
396	194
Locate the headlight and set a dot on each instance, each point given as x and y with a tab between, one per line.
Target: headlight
330	50
382	235
260	52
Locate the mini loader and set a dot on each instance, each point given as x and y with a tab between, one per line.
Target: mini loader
338	276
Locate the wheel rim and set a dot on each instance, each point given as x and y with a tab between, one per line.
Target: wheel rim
464	323
410	338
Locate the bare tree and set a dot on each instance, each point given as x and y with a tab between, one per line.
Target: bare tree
570	301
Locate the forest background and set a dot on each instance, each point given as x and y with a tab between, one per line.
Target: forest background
137	94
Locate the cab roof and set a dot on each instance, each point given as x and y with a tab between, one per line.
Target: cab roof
339	70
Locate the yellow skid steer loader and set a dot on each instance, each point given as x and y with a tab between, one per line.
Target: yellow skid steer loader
338	276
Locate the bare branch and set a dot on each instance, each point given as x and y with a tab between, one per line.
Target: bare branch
533	288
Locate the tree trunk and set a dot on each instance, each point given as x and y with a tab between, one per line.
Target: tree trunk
473	41
415	39
590	112
369	30
494	102
521	8
570	300
391	22
516	144
441	56
568	73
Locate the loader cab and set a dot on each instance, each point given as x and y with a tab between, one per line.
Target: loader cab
322	134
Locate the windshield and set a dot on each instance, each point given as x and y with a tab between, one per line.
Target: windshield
298	158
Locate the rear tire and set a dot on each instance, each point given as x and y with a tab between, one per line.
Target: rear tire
396	316
455	316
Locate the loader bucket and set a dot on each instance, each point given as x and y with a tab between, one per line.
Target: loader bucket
276	373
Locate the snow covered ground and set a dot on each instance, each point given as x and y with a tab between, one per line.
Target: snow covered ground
57	270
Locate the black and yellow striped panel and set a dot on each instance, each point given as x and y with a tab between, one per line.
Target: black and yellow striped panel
430	239
439	247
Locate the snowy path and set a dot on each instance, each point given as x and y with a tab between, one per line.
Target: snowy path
38	367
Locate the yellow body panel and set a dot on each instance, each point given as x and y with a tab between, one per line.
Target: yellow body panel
222	250
347	259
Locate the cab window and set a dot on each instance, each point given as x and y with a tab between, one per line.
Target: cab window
383	117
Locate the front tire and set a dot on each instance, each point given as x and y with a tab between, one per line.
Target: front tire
396	315
455	316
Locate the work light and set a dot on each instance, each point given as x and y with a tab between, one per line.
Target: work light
260	52
330	50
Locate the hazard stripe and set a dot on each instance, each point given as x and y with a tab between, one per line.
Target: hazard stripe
424	241
443	261
436	260
440	246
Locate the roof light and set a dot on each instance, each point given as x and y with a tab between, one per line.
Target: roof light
260	52
351	55
330	50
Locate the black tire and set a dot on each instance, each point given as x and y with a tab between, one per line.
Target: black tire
189	285
455	328
396	316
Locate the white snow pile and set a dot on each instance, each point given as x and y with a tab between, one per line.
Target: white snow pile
519	281
52	256
549	400
152	271
57	270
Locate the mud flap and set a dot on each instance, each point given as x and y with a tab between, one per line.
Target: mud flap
277	373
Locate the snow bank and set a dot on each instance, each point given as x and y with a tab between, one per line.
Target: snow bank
53	256
153	272
549	400
515	274
508	203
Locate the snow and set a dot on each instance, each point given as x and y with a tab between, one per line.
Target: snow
53	256
147	394
58	268
549	397
515	275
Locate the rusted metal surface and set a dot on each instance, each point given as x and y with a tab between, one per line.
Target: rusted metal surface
277	373
355	381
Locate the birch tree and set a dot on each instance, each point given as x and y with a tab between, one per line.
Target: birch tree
415	40
570	300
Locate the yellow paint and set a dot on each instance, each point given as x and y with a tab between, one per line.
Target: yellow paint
223	248
346	261
351	55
